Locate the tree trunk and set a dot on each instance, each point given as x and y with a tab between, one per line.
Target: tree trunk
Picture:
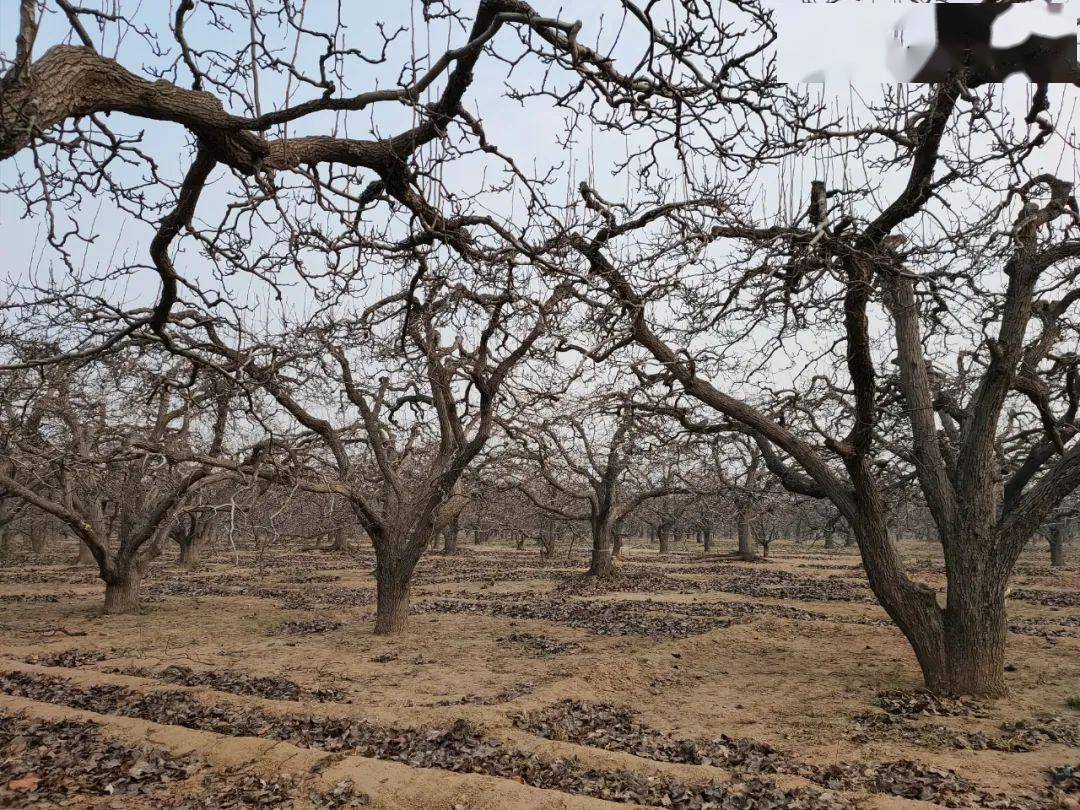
747	547
830	540
706	534
476	537
190	554
5	544
601	564
1057	545
37	540
616	545
391	599
122	593
341	540
85	557
969	656
450	539
664	534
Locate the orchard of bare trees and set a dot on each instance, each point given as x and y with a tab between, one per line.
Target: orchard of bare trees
542	372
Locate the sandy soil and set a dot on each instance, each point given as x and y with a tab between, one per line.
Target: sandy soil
797	683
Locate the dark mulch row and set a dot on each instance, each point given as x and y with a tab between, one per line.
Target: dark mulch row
613	728
602	618
538	644
58	762
70	658
272	687
924	703
1048	598
897	723
306	627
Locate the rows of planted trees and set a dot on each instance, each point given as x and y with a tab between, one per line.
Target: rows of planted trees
479	270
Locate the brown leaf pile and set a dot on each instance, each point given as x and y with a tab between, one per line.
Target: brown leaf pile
602	618
922	702
47	761
614	728
538	644
265	686
307	627
70	658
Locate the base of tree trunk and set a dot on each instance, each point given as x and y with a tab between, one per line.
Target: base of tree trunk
603	570
122	596
190	556
1057	553
341	541
964	655
391	610
977	677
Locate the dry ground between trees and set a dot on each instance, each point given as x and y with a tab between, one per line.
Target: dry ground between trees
760	681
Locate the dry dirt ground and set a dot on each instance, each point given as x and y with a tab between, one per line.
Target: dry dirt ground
689	682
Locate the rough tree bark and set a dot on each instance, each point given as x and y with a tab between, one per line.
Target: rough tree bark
341	540
663	533
747	547
37	538
450	538
600	562
122	589
393	578
1056	536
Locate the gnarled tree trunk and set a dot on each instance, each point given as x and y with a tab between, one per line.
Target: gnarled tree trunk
747	546
341	540
600	563
122	589
663	533
37	539
450	538
190	553
706	535
1056	536
392	587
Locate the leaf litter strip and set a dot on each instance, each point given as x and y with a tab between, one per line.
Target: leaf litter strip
460	748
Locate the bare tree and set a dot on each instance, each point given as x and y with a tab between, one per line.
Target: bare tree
895	405
598	456
82	459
